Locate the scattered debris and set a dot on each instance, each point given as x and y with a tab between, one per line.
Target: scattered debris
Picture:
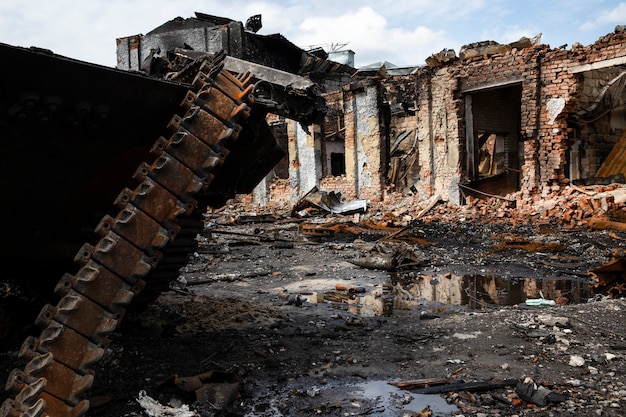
333	228
610	278
576	361
531	392
426	412
349	289
604	224
539	302
316	201
390	257
509	242
156	409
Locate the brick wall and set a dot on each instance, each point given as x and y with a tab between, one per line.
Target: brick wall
339	184
551	94
280	191
556	135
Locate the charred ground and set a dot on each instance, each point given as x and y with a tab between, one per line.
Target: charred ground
237	315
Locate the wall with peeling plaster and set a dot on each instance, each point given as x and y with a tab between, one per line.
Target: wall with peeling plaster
367	144
437	135
305	169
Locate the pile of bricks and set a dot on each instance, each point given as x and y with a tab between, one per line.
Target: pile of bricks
572	206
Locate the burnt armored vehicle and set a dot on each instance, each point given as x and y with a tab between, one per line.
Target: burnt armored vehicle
106	175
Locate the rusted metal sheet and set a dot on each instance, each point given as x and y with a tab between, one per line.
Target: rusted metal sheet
328	202
611	278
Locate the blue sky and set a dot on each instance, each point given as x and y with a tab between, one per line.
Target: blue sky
402	32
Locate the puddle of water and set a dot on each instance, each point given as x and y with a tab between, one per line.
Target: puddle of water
483	291
372	398
394	401
407	291
479	291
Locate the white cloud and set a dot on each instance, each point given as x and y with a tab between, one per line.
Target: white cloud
368	34
615	16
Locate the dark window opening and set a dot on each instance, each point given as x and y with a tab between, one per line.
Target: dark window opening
337	164
495	150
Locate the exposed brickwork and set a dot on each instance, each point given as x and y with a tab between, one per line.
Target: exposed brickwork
545	77
339	184
533	95
280	191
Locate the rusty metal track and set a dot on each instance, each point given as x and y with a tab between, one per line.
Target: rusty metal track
155	227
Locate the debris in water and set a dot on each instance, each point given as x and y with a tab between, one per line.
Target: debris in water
156	409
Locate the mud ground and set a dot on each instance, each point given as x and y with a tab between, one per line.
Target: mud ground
259	308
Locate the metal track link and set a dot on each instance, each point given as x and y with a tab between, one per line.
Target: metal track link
140	237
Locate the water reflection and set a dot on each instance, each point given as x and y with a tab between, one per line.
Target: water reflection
480	291
397	402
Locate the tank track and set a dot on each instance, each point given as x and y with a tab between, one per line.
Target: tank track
139	251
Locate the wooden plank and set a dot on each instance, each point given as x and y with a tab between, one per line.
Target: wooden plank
419	383
468	386
615	162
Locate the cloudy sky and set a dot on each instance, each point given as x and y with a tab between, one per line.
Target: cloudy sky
402	32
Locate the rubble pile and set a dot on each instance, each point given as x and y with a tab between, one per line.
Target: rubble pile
572	206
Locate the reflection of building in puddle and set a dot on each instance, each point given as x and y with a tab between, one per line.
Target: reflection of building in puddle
478	291
474	291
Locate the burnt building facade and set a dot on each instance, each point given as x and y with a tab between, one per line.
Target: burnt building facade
522	119
506	119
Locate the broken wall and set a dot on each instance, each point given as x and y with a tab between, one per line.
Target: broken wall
334	133
403	165
363	139
436	170
531	96
601	118
304	151
419	132
568	83
497	93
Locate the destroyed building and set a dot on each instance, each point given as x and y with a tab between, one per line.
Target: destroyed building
505	118
522	118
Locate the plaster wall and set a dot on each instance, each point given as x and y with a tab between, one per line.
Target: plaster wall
368	144
305	168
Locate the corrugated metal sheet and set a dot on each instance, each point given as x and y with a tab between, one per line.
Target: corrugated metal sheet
615	163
